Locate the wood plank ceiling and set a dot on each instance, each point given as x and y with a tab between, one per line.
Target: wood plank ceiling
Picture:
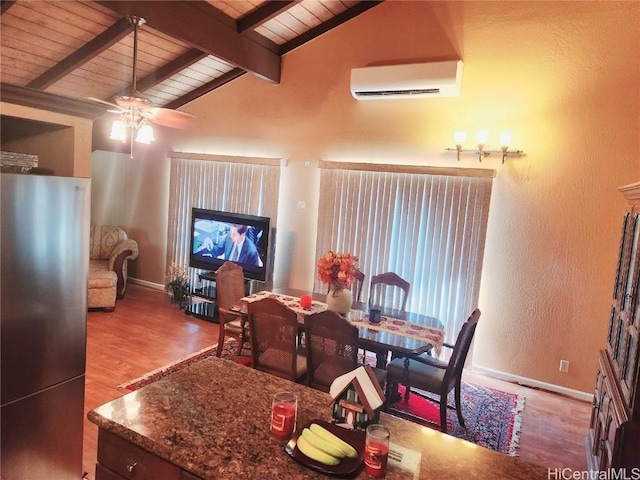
82	49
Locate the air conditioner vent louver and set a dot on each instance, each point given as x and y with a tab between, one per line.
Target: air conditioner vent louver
419	80
392	93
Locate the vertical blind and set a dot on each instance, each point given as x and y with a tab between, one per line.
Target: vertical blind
216	183
429	229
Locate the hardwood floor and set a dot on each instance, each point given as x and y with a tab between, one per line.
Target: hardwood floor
146	332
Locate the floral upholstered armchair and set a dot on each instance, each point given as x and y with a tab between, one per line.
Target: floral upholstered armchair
110	251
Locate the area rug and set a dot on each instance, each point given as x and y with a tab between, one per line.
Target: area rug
493	418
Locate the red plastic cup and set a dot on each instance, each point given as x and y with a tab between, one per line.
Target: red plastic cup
376	450
284	410
305	301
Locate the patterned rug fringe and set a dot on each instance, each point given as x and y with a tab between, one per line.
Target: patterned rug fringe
517	411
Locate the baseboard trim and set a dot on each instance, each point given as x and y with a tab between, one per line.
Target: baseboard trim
145	283
530	382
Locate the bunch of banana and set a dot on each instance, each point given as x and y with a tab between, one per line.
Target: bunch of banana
319	444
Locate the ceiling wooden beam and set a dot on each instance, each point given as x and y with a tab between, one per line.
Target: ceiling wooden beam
6	5
95	47
328	25
170	69
29	97
264	14
206	88
189	22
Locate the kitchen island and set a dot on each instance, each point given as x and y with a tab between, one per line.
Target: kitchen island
211	420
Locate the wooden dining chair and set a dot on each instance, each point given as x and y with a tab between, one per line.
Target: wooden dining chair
273	333
426	373
230	288
332	349
356	286
389	290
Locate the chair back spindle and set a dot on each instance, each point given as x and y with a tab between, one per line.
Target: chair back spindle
356	287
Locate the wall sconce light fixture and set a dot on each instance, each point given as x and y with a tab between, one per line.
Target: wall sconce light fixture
482	139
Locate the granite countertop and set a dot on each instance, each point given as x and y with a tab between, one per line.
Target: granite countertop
212	419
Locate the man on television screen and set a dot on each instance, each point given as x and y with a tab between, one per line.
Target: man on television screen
236	247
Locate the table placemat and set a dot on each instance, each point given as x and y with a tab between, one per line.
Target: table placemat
434	336
292	302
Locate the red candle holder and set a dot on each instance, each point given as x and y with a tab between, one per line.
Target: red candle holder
284	409
305	301
376	450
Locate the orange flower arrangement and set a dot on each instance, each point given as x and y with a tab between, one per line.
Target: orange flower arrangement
337	269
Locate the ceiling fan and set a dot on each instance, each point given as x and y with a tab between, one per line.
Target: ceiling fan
137	111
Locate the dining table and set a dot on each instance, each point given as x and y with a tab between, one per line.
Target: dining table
211	420
398	332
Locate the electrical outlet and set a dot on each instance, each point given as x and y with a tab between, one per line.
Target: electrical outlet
564	366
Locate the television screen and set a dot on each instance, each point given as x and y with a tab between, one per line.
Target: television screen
218	237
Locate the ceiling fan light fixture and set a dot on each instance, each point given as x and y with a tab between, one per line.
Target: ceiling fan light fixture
118	131
137	111
145	134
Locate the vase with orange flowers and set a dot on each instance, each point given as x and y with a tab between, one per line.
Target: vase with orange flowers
338	271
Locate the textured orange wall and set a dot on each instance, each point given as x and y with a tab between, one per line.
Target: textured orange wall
562	76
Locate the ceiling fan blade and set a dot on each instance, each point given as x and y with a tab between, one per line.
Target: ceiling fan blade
105	103
170	118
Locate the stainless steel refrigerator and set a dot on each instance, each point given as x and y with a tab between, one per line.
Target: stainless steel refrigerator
43	312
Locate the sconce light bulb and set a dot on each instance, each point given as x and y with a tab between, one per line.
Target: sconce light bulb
482	137
505	140
460	138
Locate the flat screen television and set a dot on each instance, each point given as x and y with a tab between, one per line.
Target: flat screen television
217	237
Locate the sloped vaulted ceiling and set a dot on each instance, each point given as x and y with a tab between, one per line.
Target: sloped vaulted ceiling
55	53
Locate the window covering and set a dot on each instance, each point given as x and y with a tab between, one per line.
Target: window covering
233	184
428	228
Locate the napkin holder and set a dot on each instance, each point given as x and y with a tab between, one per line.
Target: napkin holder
357	399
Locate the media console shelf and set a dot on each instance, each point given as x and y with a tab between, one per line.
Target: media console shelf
207	309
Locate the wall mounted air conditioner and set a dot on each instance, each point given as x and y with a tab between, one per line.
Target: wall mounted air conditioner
417	80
